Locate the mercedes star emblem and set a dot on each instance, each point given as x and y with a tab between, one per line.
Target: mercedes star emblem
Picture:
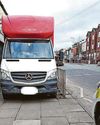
28	76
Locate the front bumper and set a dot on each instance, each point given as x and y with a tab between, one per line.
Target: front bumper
50	86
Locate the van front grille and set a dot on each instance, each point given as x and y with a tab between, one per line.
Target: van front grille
28	76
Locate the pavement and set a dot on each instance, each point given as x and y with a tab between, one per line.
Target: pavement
43	111
81	83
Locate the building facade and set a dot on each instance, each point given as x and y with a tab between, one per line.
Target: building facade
93	46
83	52
98	45
88	46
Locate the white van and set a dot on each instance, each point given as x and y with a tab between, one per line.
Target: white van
28	66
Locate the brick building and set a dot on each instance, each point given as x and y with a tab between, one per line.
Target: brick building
88	46
83	52
98	44
75	51
93	46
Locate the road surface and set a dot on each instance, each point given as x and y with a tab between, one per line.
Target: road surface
85	76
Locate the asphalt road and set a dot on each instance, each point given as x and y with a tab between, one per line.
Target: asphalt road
85	76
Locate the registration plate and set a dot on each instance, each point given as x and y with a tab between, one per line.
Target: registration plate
29	90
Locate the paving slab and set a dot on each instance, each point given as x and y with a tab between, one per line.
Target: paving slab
83	124
29	111
7	121
28	115
78	117
30	106
69	101
11	105
8	113
72	108
52	105
52	113
51	109
27	122
55	121
88	106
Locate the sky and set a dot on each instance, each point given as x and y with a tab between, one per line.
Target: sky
73	18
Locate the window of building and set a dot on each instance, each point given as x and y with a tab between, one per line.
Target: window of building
87	47
88	39
99	34
92	46
93	37
97	54
94	56
98	44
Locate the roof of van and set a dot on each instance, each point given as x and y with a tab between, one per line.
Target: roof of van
28	26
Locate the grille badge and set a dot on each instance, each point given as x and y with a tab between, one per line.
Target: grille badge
28	76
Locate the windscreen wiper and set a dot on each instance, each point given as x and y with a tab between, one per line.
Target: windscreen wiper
44	60
13	60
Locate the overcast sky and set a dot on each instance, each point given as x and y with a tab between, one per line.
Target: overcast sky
73	18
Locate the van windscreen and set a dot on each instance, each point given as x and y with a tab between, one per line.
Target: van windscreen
28	49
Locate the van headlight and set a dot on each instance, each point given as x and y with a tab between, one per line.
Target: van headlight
5	75
52	74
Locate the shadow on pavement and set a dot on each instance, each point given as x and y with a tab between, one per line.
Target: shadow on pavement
30	97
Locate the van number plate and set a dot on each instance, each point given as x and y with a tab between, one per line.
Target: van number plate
29	90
